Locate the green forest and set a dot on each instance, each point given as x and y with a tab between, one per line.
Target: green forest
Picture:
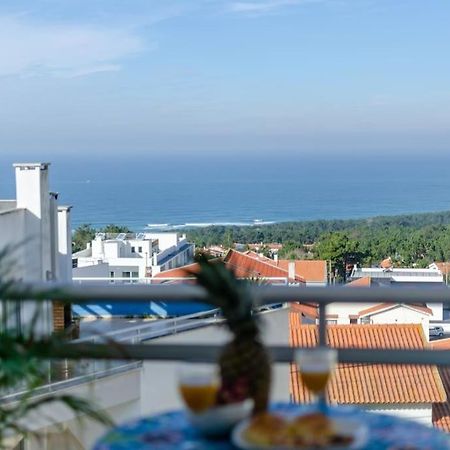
414	240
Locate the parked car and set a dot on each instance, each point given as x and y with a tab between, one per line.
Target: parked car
436	331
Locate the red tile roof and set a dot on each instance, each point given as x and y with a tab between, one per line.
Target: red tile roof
360	282
386	263
440	344
255	255
305	309
179	272
370	383
311	270
441	410
271	246
444	267
385	306
245	266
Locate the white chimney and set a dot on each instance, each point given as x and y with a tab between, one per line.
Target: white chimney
32	187
32	194
64	243
291	270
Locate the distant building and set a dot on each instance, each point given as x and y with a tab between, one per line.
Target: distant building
131	256
392	275
36	233
314	272
311	272
444	269
244	265
406	277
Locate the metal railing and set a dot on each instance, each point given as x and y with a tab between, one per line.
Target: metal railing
157	328
155	280
263	295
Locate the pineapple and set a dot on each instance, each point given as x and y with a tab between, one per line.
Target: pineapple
244	364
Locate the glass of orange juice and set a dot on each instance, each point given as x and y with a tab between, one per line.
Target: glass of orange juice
198	385
316	366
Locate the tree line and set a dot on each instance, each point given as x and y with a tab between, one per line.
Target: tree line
413	240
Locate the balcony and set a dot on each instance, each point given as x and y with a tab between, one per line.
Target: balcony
146	355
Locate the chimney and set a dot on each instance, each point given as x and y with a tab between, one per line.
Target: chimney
275	258
32	194
65	244
291	270
32	187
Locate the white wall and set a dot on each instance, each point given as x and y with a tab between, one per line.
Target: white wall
100	270
401	314
13	226
398	314
111	249
438	310
32	193
165	240
97	248
127	265
118	395
64	244
343	310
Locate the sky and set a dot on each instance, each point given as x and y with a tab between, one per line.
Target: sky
114	77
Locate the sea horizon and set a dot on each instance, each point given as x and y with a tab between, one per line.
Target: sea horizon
197	191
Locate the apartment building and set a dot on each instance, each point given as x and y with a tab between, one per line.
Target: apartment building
129	255
36	237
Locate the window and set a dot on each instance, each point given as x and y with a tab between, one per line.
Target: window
126	275
140	249
353	320
331	321
366	320
111	274
133	250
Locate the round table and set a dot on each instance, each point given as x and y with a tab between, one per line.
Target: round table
172	431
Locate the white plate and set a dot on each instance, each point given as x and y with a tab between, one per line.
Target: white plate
344	425
221	419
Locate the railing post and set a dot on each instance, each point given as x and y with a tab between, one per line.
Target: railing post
322	325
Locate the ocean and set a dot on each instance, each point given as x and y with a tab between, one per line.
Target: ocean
175	191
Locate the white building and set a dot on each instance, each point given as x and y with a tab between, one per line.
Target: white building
393	275
36	234
132	255
405	277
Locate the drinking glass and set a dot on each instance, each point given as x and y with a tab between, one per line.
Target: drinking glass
316	366
198	386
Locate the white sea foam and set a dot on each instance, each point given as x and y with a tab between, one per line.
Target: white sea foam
169	226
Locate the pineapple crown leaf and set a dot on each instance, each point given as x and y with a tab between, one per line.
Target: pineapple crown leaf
225	291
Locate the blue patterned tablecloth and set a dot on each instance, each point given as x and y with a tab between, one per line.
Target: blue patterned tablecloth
172	431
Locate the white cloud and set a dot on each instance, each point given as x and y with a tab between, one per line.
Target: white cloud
30	48
264	6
